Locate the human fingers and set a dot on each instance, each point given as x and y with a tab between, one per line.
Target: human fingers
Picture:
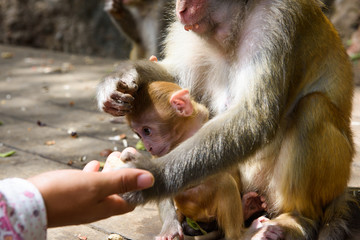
125	180
113	205
92	166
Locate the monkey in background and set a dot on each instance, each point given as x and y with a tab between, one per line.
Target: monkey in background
164	115
278	84
144	22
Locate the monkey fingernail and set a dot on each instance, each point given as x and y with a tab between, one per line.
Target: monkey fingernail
122	86
153	58
188	27
128	98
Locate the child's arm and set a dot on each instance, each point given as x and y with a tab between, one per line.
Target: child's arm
22	210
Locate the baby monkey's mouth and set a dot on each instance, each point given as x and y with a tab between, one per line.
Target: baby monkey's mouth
160	152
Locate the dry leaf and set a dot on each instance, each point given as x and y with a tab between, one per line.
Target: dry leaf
50	142
106	152
74	135
41	124
6	55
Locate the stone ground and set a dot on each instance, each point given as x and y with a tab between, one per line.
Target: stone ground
39	87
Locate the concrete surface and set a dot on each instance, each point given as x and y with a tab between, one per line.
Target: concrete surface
64	101
34	90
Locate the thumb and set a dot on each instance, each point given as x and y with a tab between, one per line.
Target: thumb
127	180
92	166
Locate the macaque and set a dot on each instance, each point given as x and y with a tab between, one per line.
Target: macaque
144	22
164	115
278	84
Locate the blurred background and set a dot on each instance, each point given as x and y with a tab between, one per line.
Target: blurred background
71	26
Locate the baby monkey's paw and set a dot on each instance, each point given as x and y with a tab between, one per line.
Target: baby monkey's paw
114	7
267	230
133	159
130	154
115	92
170	231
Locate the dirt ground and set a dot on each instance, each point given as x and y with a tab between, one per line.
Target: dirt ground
48	115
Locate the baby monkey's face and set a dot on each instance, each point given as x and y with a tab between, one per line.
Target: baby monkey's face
154	132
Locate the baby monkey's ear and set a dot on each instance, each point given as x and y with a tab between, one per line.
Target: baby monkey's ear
181	102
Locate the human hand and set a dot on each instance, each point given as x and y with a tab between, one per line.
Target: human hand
133	159
76	197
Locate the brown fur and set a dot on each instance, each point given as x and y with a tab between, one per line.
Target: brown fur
214	199
281	100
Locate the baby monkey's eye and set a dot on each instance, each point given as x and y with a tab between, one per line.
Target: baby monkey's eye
147	131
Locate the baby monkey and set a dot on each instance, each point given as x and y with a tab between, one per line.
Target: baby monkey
165	115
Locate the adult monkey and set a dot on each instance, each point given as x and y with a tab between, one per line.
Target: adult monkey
144	22
279	84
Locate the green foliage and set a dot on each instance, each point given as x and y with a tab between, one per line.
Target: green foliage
140	145
7	154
